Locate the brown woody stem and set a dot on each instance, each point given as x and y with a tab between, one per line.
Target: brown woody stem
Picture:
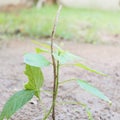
55	65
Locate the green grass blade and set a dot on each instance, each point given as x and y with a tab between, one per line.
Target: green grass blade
83	84
15	103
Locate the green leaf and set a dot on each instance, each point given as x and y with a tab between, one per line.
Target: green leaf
81	65
16	102
40	50
83	84
36	60
65	57
35	78
44	45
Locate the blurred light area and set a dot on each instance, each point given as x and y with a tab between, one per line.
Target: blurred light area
100	4
84	23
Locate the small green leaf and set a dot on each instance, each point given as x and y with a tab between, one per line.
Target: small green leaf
81	65
83	84
15	103
36	60
65	57
44	45
35	78
40	50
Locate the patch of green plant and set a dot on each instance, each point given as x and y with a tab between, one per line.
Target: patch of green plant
75	22
91	36
34	64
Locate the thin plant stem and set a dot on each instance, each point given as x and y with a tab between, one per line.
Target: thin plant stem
55	71
56	89
67	81
72	102
54	62
43	107
57	80
46	91
47	115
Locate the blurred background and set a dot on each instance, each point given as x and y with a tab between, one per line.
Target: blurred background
89	21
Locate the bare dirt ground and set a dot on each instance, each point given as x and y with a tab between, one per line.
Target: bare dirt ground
104	58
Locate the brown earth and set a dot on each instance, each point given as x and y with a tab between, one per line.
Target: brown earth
104	58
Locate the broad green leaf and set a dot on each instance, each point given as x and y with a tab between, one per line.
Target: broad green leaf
36	60
81	65
35	78
65	57
40	50
44	45
83	84
15	103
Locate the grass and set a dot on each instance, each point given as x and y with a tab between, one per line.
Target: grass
77	24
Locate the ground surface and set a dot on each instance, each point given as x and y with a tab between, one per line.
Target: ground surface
105	58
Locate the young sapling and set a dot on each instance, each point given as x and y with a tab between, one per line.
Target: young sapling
34	64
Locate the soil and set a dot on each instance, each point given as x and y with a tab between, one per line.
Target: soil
105	58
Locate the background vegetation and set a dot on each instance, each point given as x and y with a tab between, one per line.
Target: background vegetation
75	23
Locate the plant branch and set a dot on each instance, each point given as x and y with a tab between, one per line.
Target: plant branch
57	80
55	86
46	91
55	69
47	115
67	81
56	89
72	102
